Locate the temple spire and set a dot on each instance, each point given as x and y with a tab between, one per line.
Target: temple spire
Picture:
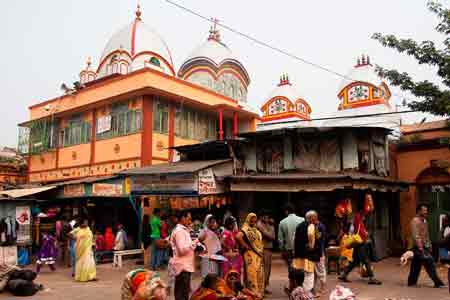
214	33
138	12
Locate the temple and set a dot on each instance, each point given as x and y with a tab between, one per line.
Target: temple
133	107
284	106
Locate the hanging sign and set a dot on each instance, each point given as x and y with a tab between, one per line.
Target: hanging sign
23	218
104	124
74	190
207	183
107	189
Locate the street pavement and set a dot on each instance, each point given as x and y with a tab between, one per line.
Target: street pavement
60	285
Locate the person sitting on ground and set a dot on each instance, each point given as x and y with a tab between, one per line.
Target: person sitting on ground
17	281
232	286
121	240
208	289
142	284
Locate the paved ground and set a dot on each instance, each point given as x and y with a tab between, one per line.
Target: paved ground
59	285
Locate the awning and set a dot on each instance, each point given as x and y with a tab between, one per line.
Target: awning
19	193
175	168
315	182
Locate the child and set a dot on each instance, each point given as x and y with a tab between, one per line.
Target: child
48	252
298	293
99	241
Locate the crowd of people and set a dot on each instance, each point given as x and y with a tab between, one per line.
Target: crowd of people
76	240
235	262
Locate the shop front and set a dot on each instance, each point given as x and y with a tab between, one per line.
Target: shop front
106	202
197	186
323	192
16	224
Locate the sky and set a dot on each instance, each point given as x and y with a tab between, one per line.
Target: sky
46	42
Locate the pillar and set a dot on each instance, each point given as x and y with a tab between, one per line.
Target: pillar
235	125
93	135
171	130
147	131
221	124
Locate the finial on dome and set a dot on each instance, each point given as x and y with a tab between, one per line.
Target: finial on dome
284	79
138	12
214	33
368	60
88	62
363	60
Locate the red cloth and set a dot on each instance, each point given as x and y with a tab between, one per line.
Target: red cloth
100	243
109	239
164	230
359	226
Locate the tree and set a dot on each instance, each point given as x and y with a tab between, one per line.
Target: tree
436	99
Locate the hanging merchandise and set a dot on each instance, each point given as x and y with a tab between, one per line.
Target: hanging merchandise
368	203
344	208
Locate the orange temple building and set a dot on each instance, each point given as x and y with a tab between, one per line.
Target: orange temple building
133	107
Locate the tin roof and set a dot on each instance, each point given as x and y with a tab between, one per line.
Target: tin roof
435	125
315	182
177	167
18	193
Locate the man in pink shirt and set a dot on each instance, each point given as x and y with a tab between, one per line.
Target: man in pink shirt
181	265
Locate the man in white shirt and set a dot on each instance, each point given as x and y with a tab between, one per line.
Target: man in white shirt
286	235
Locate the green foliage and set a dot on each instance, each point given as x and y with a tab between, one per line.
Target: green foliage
436	100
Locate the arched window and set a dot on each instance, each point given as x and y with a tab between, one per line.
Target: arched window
123	68
155	61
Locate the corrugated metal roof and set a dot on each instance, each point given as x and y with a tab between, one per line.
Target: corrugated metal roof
315	182
177	167
84	180
18	193
435	125
319	175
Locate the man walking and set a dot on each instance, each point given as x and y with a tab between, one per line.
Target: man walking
181	265
307	249
361	251
286	233
422	249
320	271
267	229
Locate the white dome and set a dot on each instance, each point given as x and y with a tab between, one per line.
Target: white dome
213	50
363	73
286	90
136	38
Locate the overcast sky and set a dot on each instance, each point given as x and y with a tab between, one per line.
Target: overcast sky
44	43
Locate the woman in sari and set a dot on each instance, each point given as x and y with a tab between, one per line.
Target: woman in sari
250	239
231	286
210	239
85	264
207	289
230	248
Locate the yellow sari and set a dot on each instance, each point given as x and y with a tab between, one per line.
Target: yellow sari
253	258
85	264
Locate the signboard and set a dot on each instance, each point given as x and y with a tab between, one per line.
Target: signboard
74	190
165	184
104	124
107	189
8	255
206	182
23	218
